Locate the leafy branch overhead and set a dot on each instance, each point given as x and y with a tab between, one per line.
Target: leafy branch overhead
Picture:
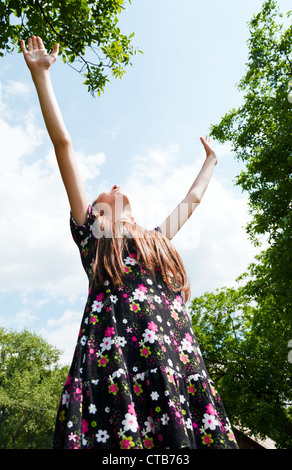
88	34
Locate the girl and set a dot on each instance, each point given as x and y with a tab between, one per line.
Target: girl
137	379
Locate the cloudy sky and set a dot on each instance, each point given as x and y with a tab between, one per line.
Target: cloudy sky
143	134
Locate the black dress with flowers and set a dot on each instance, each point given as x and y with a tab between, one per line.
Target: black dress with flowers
137	379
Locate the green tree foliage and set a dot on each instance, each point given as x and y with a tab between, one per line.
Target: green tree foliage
30	387
244	332
87	32
261	134
244	345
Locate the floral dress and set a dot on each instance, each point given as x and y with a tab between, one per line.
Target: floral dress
137	379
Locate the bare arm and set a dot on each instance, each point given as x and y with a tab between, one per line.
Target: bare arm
186	207
39	63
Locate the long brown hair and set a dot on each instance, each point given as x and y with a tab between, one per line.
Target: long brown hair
155	250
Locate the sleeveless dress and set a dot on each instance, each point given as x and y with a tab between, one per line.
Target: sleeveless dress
137	378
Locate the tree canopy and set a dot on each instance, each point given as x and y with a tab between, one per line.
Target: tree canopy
87	31
31	382
261	135
244	344
245	332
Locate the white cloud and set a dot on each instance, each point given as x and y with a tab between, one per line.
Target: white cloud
37	251
15	89
63	333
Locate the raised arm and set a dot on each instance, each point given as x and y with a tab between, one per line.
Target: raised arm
186	207
39	63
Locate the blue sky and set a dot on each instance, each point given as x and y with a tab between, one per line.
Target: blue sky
143	134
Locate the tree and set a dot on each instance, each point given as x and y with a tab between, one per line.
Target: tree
261	134
87	32
250	361
244	345
30	388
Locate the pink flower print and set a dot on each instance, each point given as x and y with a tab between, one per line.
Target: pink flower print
179	299
142	288
100	297
109	331
184	358
113	388
188	337
174	315
77	394
145	351
72	437
69	380
191	389
131	409
84	426
134	307
127	443
138	389
210	409
93	319
152	326
102	362
207	439
148	442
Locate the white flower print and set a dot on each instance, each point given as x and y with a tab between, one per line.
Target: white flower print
69	424
97	306
130	261
139	295
83	340
182	399
66	398
157	299
149	335
102	436
154	396
210	422
106	343
149	424
149	281
177	305
92	408
165	419
189	424
167	339
186	345
121	341
114	298
158	318
130	423
84	242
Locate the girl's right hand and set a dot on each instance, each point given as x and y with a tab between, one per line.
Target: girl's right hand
36	56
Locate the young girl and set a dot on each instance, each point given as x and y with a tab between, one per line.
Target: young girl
137	379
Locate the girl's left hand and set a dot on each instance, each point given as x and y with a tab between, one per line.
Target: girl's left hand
210	153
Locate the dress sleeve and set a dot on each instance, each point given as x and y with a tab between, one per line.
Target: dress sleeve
84	238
